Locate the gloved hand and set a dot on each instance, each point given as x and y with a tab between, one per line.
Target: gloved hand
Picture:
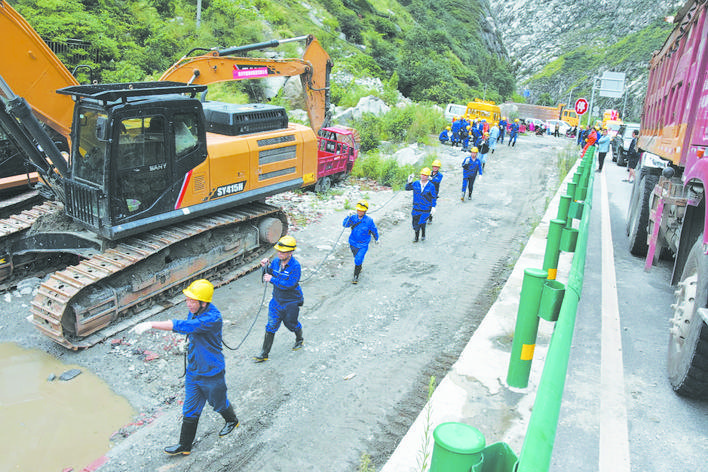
410	178
140	328
432	211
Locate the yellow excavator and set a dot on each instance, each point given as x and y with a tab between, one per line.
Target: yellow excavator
158	188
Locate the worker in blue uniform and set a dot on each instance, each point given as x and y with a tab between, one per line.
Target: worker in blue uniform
513	133
471	166
205	371
445	135
424	196
435	178
465	137
284	273
502	129
482	145
455	130
363	228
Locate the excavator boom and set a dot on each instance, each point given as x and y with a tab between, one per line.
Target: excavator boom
220	66
36	71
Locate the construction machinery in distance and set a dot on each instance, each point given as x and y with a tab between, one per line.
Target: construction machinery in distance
157	188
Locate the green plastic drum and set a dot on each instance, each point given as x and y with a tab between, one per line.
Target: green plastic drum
458	448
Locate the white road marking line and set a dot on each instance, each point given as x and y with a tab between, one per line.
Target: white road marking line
614	435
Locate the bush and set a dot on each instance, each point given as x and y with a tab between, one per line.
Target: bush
385	170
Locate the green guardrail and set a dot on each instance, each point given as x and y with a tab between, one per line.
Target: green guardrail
460	447
541	433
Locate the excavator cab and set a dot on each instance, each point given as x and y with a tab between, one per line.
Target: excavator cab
132	145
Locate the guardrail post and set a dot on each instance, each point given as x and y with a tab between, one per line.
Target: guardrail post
570	189
458	448
550	258
526	328
563	206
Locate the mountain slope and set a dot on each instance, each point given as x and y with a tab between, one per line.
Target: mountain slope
560	46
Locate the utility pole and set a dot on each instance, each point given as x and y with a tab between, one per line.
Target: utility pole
199	12
592	99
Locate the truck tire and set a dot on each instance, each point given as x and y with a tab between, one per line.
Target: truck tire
688	335
638	217
621	157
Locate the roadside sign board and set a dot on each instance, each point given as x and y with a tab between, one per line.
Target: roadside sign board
581	106
612	84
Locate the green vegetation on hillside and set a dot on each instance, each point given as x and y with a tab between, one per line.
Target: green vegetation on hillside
437	51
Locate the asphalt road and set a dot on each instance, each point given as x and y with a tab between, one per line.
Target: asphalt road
649	427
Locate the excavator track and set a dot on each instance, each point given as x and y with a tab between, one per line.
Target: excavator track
14	225
84	304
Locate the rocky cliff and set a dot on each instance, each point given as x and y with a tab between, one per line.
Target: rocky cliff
560	46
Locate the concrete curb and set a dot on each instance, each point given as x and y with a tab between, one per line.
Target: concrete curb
474	391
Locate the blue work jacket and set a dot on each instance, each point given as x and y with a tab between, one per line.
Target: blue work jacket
423	197
204	356
286	282
362	230
474	167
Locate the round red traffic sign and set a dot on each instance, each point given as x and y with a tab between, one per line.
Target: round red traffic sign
581	106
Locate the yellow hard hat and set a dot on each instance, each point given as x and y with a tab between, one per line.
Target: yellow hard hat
285	244
425	171
516	120
362	205
201	290
449	128
436	163
474	149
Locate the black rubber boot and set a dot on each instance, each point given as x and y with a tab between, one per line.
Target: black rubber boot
267	344
422	232
186	438
417	236
299	340
231	421
357	271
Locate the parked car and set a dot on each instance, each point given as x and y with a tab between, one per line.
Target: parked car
621	142
535	121
563	127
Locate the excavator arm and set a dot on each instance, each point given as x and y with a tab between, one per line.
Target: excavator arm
221	66
34	71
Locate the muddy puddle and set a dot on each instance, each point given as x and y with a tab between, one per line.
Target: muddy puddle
53	425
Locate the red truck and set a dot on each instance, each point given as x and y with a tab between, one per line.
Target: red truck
667	213
338	148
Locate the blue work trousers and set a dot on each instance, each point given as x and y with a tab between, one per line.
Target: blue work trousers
199	390
286	313
359	253
469	181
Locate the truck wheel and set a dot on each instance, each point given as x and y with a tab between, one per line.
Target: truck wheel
621	160
688	335
638	218
323	185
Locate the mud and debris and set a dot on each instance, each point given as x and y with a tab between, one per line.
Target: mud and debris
370	349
